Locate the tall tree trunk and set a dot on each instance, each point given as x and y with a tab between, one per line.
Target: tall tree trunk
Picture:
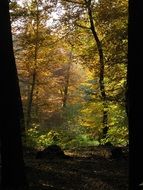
127	97
101	75
31	93
13	174
67	77
135	93
30	99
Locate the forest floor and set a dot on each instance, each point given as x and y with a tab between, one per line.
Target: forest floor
87	169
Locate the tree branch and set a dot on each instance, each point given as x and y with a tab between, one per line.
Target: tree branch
74	2
81	26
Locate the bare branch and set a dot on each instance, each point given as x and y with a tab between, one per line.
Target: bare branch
74	2
81	26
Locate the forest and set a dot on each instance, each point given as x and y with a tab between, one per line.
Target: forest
71	61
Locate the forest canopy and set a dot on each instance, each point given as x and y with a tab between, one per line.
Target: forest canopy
71	57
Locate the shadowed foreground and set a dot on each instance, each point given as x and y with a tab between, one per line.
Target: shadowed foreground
87	169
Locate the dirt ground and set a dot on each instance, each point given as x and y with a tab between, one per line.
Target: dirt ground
87	169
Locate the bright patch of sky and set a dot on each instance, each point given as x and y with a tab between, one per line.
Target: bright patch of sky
55	15
20	2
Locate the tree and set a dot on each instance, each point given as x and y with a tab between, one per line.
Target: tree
112	19
79	14
135	93
49	76
13	173
101	31
34	72
101	75
33	45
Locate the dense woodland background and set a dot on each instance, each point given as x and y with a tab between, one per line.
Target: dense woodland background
71	58
70	97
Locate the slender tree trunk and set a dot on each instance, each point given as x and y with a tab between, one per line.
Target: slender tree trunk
67	78
31	93
101	75
13	171
30	99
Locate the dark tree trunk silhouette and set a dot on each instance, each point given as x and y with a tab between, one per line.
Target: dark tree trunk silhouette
101	75
135	93
127	97
13	174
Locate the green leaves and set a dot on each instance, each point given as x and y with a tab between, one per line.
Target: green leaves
47	48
